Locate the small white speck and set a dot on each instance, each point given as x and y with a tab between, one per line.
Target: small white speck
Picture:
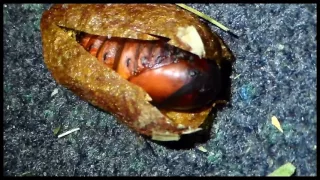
247	150
280	46
55	91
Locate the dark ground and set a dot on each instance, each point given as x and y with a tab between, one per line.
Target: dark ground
275	74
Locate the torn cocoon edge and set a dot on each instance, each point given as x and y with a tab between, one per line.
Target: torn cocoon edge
148	98
159	136
68	132
189	131
181	126
191	37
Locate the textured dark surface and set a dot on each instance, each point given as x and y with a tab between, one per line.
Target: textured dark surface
275	74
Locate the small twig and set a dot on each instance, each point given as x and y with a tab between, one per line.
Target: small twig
68	132
207	18
237	76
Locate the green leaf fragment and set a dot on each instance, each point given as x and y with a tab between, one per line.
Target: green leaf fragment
285	170
56	130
